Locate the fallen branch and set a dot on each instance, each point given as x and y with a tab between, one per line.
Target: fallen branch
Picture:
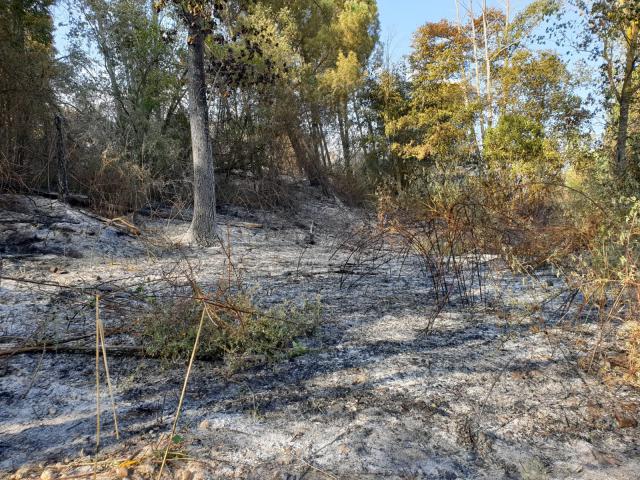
56	345
119	223
247	225
125	350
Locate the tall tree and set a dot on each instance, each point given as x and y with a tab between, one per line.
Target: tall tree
618	25
202	229
26	70
200	17
331	38
615	24
437	124
138	66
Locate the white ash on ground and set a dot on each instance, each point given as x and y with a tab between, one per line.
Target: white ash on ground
485	393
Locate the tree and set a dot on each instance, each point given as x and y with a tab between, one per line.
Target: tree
341	82
518	148
200	17
438	121
138	67
356	32
540	85
616	24
331	38
500	37
26	97
202	229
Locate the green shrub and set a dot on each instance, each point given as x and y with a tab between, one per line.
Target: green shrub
234	331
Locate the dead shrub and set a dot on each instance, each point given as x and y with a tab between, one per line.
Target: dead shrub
114	184
631	332
353	189
267	192
593	245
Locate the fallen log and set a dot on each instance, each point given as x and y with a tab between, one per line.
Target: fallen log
75	199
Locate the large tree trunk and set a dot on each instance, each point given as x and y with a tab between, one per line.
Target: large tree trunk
203	225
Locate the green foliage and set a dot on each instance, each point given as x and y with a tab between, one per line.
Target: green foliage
345	77
540	84
141	75
26	97
436	123
437	116
240	332
517	146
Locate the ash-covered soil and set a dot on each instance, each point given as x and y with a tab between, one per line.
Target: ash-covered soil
491	390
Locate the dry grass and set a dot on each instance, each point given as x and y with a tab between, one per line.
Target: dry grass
116	185
268	192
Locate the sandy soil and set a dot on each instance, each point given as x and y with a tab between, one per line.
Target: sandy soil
492	390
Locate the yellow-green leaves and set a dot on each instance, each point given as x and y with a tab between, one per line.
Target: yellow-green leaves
437	118
345	77
357	27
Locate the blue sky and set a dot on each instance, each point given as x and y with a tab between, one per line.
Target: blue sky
400	18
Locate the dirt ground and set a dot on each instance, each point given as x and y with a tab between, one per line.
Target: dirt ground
492	390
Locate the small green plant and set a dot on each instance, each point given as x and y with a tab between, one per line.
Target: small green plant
297	349
236	331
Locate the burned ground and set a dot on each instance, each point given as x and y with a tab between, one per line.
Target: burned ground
492	390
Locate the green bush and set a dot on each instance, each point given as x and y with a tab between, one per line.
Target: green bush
235	331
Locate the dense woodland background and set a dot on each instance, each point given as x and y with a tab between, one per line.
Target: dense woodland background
485	133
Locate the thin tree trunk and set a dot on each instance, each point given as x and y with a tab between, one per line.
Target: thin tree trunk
343	123
622	162
463	68
476	62
363	143
99	10
502	102
307	163
487	62
203	226
325	147
466	84
61	159
317	139
625	98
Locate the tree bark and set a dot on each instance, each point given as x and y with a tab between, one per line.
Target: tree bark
343	123
203	226
622	163
61	159
304	156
